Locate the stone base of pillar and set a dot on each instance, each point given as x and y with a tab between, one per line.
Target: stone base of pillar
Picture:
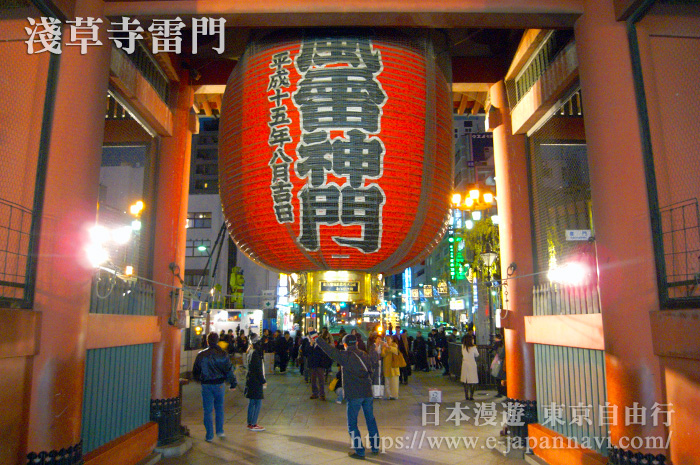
176	449
69	456
520	411
617	456
166	412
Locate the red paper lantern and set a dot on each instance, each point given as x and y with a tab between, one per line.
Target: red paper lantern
335	152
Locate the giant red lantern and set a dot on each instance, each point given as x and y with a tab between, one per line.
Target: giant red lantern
335	152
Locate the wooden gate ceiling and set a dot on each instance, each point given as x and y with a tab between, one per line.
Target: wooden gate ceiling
482	37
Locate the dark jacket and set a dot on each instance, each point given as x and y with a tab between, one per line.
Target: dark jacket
213	366
357	366
500	350
255	378
316	357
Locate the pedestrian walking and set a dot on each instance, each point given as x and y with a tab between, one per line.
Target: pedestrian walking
212	367
420	352
401	340
374	345
255	382
357	386
390	350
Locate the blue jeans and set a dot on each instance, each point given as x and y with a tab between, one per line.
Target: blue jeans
367	406
213	398
254	410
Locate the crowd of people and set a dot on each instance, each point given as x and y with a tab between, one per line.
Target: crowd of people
370	370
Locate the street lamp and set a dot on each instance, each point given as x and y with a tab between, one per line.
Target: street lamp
488	257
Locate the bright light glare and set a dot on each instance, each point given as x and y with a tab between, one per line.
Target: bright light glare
488	197
456	199
495	219
129	270
121	235
476	215
469	224
468	202
136	208
99	234
573	274
474	194
96	254
136	225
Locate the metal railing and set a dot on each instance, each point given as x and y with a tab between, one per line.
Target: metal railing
117	297
483	364
15	249
558	299
680	224
538	65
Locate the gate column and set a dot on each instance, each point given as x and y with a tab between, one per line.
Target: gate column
512	184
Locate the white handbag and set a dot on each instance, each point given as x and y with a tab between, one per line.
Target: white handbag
378	389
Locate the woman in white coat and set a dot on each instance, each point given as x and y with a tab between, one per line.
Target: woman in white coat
469	375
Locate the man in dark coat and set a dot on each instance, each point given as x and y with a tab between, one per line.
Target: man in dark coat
420	352
357	384
317	363
255	382
284	348
442	345
212	368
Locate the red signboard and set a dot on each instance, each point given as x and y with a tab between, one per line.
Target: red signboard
335	152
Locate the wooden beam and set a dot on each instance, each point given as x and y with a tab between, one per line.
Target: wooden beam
210	89
207	108
217	100
582	331
529	43
105	330
544	95
462	104
561	450
476	107
139	94
518	14
166	63
129	449
464	87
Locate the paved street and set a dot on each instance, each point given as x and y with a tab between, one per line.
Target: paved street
301	431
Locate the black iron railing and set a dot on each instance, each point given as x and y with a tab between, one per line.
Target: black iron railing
483	364
15	248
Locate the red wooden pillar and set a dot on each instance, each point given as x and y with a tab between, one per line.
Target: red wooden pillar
172	181
64	276
510	159
626	268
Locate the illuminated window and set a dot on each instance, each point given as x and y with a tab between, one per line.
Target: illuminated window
199	220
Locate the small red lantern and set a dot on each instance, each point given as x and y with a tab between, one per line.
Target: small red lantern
336	152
